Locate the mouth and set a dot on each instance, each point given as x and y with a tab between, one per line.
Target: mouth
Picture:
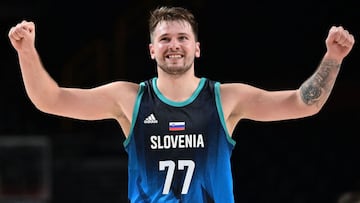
174	56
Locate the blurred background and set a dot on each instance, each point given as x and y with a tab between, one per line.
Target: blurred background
272	45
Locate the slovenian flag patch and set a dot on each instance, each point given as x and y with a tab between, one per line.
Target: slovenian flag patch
176	126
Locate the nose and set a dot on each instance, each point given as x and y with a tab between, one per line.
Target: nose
174	44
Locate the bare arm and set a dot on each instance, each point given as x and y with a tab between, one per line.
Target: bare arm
316	90
241	101
114	100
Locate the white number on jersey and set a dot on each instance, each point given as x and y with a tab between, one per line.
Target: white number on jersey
171	166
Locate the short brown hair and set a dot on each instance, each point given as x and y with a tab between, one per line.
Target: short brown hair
165	13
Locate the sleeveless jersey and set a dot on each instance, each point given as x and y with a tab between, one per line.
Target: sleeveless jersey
179	152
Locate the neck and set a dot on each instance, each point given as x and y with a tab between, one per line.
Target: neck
177	87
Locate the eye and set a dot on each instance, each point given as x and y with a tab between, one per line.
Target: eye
183	38
165	39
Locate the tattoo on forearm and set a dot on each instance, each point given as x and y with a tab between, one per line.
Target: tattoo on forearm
320	83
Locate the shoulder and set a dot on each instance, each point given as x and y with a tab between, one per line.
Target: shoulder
234	94
235	88
122	87
119	91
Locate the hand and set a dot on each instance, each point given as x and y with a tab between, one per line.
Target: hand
339	43
22	36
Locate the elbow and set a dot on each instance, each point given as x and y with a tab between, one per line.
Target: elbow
313	108
312	103
41	105
44	103
314	111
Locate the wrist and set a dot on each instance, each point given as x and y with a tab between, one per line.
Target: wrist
329	58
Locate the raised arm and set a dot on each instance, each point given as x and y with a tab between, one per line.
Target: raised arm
316	90
113	100
39	86
241	101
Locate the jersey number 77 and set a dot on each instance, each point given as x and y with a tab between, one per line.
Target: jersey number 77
171	167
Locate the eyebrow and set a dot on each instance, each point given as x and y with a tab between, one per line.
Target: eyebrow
180	34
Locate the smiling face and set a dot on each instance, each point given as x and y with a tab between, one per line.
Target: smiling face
174	47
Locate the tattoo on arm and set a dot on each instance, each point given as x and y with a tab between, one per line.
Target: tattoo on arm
318	87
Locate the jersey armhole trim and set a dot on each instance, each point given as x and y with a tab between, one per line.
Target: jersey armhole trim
135	112
221	113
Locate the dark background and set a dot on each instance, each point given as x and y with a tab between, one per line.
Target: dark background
268	44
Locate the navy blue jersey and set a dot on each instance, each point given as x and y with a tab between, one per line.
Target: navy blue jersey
179	151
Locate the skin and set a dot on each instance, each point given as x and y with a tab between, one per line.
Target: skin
174	48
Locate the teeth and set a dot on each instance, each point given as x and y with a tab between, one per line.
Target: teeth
174	56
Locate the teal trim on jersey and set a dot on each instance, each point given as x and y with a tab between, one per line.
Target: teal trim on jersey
178	104
221	113
135	112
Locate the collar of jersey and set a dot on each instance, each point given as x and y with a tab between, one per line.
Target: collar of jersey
174	103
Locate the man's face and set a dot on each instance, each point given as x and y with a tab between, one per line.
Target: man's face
174	47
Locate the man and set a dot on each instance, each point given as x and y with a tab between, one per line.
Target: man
178	126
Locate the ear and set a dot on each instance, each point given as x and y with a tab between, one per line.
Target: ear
151	51
197	49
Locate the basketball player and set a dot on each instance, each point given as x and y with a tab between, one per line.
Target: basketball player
178	126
